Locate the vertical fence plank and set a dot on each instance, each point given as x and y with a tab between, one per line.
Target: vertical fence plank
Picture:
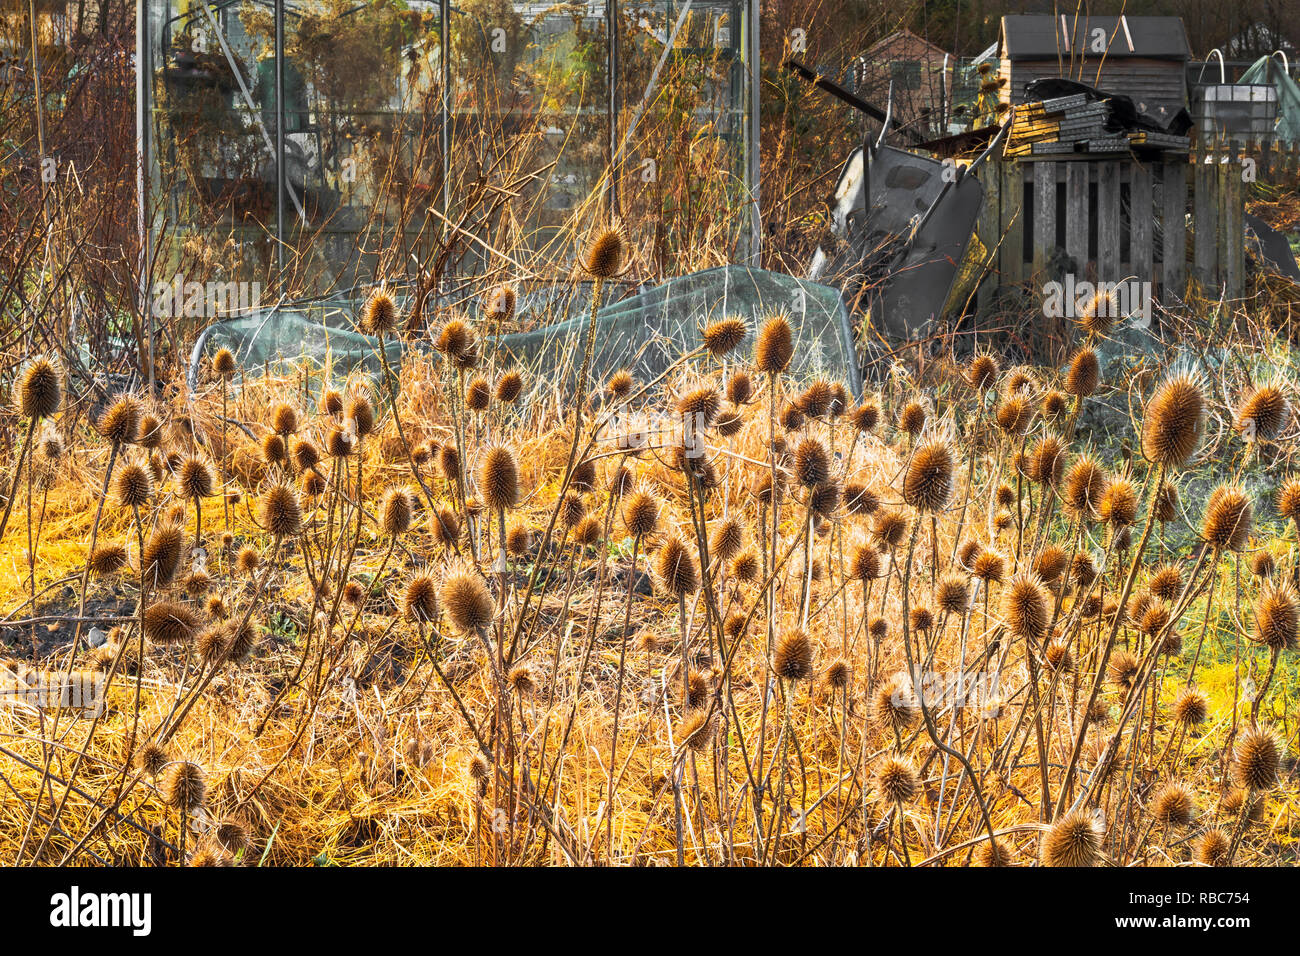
1174	227
1233	255
1011	258
1076	217
1044	236
1205	220
1108	222
1142	219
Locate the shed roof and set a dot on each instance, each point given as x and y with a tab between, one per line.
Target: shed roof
1031	37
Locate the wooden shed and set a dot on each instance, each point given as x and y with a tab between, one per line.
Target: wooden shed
1143	58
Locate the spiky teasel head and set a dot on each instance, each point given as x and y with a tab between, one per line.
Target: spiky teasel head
1004	495
967	552
724	335
331	402
1255	758
740	388
1098	315
478	394
1084	373
223	363
107	559
1014	414
1058	656
1073	840
40	389
640	514
928	482
698	688
284	419
1172	421
727	539
213	642
620	384
467	600
241	637
1265	413
792	658
982	373
1288	500
1119	503
1085	483
1124	667
281	511
197	583
699	406
921	619
134	486
911	419
1243	803
1211	848
232	835
120	424
603	257
1191	707
509	384
824	500
248	559
1173	805
498	478
183	785
1277	617
1047	460
774	347
859	499
1263	564
1051	562
379	314
992	854
865	417
454	338
889	527
449	462
305	454
362	414
1166	503
812	465
168	622
1228	514
895	702
420	598
897	779
524	679
499	303
396	509
989	566
274	450
698	729
162	554
792	417
816	399
1055	404
952	593
1166	582
677	569
338	444
744	566
837	674
353	593
151	758
195	479
1027	607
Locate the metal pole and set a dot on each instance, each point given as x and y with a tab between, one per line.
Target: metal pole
611	68
753	138
444	43
279	137
143	85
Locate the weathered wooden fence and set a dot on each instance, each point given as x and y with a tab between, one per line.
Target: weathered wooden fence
1112	220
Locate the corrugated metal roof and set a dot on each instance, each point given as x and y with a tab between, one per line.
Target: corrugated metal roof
1027	37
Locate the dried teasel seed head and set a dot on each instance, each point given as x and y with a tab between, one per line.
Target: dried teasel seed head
162	554
838	673
1014	415
812	464
40	389
467	600
774	347
150	758
697	730
1047	460
454	338
1211	848
449	462
331	402
1263	564
928	481
1058	657
1277	617
274	451
1027	607
168	622
1074	840
498	478
1172	422
620	384
183	786
603	258
281	511
444	525
1098	316
223	362
362	414
677	569
1085	483
1084	373
952	594
982	372
792	417
640	514
897	779
284	419
1192	707
1228	514
107	559
865	417
824	499
727	539
859	499
420	599
792	659
478	394
499	303
524	679
134	486
744	566
699	406
1123	667
911	420
120	424
989	566
740	388
195	479
1288	500
379	314
1173	805
248	559
1119	503
305	454
519	540
1255	758
1265	413
724	335
396	510
1051	562
509	384
895	703
889	527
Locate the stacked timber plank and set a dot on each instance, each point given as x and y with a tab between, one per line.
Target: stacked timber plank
1069	125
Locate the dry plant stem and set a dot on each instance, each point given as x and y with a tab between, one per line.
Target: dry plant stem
23	453
618	701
